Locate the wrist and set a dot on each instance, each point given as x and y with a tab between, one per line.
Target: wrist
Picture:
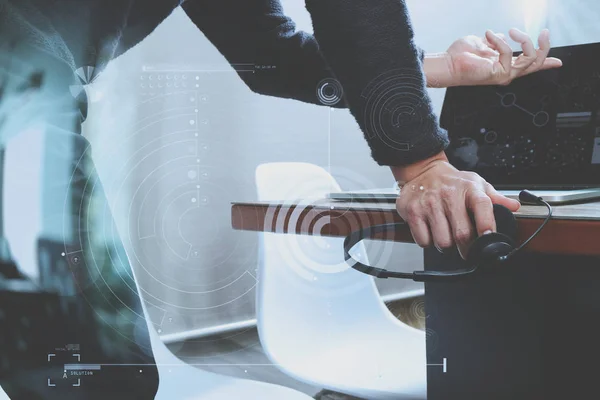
438	70
409	172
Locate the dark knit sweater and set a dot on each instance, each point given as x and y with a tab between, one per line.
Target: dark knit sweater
366	46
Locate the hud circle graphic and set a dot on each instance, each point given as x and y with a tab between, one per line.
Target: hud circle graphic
396	103
329	91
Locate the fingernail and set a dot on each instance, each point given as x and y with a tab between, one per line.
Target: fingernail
487	232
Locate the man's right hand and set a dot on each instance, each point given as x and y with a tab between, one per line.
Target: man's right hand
472	60
436	201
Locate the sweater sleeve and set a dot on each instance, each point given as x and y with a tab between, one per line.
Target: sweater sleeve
369	46
269	54
289	63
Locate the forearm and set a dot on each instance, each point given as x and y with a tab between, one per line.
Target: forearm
369	46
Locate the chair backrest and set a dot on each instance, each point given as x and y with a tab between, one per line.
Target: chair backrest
304	285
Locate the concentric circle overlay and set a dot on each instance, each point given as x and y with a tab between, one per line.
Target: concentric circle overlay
394	105
329	92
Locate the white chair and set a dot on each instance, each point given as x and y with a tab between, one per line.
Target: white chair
181	381
319	320
178	380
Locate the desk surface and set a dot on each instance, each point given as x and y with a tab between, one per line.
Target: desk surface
574	229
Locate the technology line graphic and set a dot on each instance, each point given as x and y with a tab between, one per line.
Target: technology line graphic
540	118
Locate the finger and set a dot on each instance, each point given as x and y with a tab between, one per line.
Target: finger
409	209
420	232
483	47
486	41
529	55
544	61
544	42
550	63
525	41
497	198
504	50
433	208
500	35
491	50
483	211
542	52
440	229
462	228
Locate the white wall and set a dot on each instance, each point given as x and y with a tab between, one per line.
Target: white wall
574	21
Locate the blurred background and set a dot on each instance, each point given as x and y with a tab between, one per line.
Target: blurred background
176	137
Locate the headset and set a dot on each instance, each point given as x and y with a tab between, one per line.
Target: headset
490	249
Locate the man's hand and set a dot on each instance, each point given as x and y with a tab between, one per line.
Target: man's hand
436	201
473	60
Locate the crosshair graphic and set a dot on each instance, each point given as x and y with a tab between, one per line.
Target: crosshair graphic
539	118
73	370
444	365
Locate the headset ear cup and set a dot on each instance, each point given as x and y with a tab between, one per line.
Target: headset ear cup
489	247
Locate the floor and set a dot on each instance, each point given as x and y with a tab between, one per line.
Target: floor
240	354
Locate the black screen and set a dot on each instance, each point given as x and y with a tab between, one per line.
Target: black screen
541	130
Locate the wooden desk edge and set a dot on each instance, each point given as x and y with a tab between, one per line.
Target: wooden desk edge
560	236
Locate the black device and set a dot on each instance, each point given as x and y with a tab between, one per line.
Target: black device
487	250
540	132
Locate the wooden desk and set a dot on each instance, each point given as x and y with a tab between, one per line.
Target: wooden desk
574	229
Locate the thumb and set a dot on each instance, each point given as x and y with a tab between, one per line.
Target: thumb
551	62
497	198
